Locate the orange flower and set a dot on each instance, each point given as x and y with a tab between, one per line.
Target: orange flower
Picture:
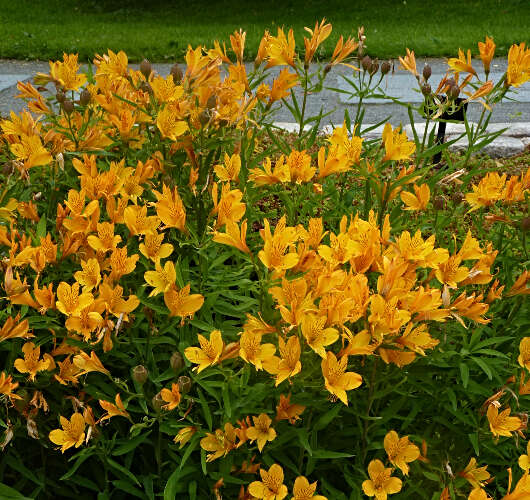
230	170
520	286
169	124
289	364
501	424
209	352
253	351
114	301
229	207
318	36
397	145
280	49
153	248
71	434
162	278
233	236
524	353
170	209
281	84
70	302
273	254
400	451
381	483
476	476
302	490
460	63
220	443
409	63
287	410
417	201
271	486
316	336
171	397
7	386
181	303
32	363
518	71
261	431
113	410
184	435
14	328
90	363
337	379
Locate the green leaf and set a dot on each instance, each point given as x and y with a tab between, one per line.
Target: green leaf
123	470
485	368
41	228
130	444
83	456
205	409
8	493
473	437
330	454
464	374
327	418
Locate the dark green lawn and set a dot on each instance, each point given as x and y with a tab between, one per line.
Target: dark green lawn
161	30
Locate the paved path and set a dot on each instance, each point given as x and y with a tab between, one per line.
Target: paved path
399	84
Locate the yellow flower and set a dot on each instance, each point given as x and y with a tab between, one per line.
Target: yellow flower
209	352
409	63
162	278
90	276
90	363
261	431
170	209
318	35
229	207
400	451
230	170
271	486
114	301
418	200
269	176
253	351
337	379
30	150
280	49
113	410
518	71
64	73
520	286
68	372
184	435
397	145
476	476
381	483
165	89
181	303
153	248
450	272
460	63
273	254
487	51
303	490
300	169
480	494
220	443
138	222
105	241
233	236
316	336
281	84
14	328
524	460
171	397
70	302
7	386
32	363
288	365
501	424
524	353
121	264
71	434
169	124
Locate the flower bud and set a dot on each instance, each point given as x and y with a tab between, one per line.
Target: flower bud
525	224
85	97
374	68
176	73
157	402
140	374
60	96
453	92
184	383
176	361
68	106
327	69
427	72
20	404
457	197
385	67
426	89
212	102
366	63
8	168
146	87
146	68
439	203
204	117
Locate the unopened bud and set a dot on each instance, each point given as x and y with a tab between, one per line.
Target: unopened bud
157	402
8	168
327	69
85	97
453	92
426	89
457	197
20	404
204	117
68	106
427	72
176	361
146	68
439	203
146	87
366	63
212	102
374	68
184	383
140	374
176	73
525	224
60	96
385	67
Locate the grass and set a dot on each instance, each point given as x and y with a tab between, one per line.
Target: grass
161	30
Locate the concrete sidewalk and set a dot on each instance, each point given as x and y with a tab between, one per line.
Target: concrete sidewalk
399	84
